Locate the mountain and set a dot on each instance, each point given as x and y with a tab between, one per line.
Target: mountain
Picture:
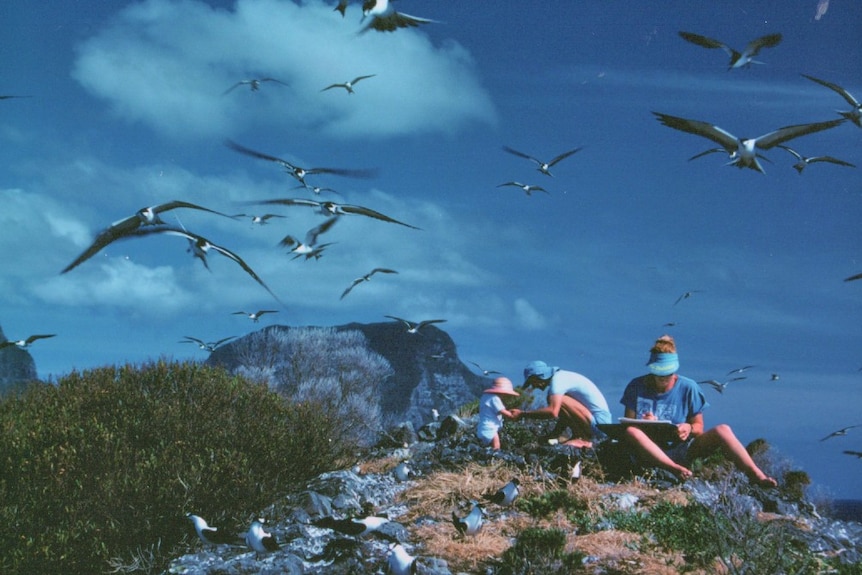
17	367
426	371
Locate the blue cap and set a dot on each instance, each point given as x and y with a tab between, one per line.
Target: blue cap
662	364
539	369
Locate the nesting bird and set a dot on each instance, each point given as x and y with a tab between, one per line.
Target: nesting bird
506	495
259	540
211	535
400	562
471	523
356	527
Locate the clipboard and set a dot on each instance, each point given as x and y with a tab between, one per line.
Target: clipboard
660	430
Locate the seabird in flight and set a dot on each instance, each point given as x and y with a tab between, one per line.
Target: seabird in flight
126	227
803	161
342	7
855	114
259	220
686	295
842	431
367	277
737	59
25	343
543	167
384	18
528	188
255	316
506	495
349	84
309	248
472	522
743	151
718	386
208	345
299	172
854	277
485	372
415	327
331	208
254	84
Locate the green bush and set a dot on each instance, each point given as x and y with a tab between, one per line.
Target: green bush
538	551
109	461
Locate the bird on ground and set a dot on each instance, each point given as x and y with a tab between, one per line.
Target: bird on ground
253	84
126	227
506	495
255	316
199	247
331	208
357	527
737	59
743	151
259	220
803	161
415	327
543	167
309	247
471	523
400	562
740	369
259	540
842	431
854	278
485	372
206	345
528	188
299	172
686	295
349	84
211	535
403	472
855	114
365	278
384	18
25	343
856	453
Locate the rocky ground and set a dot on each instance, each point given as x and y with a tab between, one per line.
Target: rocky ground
446	469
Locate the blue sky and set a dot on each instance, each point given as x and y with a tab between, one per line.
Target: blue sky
126	108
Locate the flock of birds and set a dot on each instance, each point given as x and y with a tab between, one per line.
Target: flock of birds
399	561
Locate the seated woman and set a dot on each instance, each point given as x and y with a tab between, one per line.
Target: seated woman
664	394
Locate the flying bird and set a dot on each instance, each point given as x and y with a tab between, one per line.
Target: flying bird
331	208
208	345
743	151
255	316
686	295
854	114
25	343
472	522
528	188
210	535
342	7
317	190
356	527
365	278
842	431
506	495
254	84
309	248
259	220
9	97
854	278
299	172
126	227
400	562
737	59
199	247
415	327
384	18
803	161
485	372
856	453
349	84
543	167
718	386
259	540
740	369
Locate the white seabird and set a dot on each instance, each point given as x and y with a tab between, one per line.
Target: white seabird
506	495
259	540
543	167
855	113
528	188
334	209
211	535
309	247
208	345
737	59
349	84
400	562
354	526
803	161
472	522
365	278
253	84
415	327
384	18
25	343
255	316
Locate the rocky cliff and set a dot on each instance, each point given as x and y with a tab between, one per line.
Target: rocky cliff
17	367
426	371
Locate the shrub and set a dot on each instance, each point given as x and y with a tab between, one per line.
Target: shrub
109	461
537	551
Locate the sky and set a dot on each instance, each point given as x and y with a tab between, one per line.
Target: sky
125	105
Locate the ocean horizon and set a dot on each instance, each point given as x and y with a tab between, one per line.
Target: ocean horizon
846	509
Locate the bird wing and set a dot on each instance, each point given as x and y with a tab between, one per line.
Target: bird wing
192	340
33	338
181	204
831	160
290	202
429	321
277	81
249	152
703	41
563	156
370	213
358	78
355	283
118	230
232	88
795	154
854	278
348	172
710	151
521	154
402	320
721	137
311	236
221	341
844	93
382	271
331	86
786	133
393	21
767	41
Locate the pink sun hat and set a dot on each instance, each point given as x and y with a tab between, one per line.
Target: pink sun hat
502	386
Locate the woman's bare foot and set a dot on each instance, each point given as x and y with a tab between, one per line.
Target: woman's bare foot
580	443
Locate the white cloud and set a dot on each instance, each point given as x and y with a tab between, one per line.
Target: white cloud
527	316
168	64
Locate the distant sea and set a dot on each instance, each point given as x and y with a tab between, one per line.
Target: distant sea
847	509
